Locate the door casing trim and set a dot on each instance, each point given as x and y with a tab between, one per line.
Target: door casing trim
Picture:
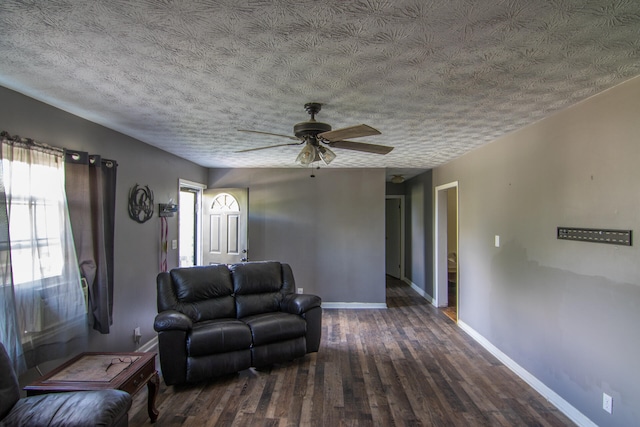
440	271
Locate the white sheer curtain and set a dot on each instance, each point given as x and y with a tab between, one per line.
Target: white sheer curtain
45	311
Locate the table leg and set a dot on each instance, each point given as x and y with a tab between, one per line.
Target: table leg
152	386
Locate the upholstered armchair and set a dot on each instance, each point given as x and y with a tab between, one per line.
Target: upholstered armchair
72	409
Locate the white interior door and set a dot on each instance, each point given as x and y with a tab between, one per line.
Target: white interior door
224	228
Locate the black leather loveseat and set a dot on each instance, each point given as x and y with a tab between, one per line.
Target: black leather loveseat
71	409
219	319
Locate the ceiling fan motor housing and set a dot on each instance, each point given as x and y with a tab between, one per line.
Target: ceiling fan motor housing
310	128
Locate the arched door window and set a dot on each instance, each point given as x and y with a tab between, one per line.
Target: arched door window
225	203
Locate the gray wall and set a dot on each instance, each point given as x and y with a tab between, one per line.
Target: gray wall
394	189
419	231
329	228
136	245
565	311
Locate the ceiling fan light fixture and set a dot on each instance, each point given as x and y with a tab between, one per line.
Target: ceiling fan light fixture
307	155
326	154
317	136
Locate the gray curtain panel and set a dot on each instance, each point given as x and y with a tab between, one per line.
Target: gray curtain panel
91	190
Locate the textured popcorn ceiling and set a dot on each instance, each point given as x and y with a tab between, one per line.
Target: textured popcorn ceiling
437	77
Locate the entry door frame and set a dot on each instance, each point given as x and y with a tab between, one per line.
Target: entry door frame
198	188
441	271
402	225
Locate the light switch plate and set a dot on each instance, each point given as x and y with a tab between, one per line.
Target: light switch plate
497	241
607	403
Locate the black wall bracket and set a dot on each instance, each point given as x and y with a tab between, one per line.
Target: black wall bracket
596	235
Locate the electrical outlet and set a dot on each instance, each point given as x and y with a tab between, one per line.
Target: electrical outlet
300	290
607	402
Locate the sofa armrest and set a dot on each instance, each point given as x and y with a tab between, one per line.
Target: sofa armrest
299	303
81	408
169	320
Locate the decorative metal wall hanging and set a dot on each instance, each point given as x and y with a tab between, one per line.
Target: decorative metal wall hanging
140	203
596	235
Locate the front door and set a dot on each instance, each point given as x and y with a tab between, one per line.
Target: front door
224	229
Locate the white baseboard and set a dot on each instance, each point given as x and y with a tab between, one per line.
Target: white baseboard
419	290
151	345
563	406
354	305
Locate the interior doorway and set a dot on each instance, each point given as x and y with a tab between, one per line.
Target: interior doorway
447	271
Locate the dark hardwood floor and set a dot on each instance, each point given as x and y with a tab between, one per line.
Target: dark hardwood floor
408	365
451	311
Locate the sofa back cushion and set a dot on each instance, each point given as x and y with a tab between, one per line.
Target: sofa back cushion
202	293
257	286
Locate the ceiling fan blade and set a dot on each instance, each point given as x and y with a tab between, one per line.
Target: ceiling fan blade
269	133
270	146
361	146
349	132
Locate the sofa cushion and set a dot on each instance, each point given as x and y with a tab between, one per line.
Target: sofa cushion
273	327
257	287
214	365
215	308
268	354
198	283
204	293
249	305
256	277
218	336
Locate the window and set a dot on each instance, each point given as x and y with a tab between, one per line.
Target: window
225	203
42	267
34	227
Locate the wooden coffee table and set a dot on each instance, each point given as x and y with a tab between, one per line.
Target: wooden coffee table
98	371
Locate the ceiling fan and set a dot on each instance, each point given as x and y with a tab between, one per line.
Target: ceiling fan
317	137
